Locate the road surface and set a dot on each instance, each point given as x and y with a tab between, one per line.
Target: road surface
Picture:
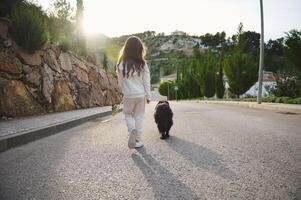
215	152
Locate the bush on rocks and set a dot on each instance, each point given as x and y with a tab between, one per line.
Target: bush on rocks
29	26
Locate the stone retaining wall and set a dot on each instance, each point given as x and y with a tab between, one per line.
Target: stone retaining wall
49	80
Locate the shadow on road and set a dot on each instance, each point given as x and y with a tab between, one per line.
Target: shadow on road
163	183
201	157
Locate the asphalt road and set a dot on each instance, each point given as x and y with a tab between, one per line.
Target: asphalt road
215	152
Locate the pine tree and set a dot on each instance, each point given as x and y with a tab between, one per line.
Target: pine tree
81	42
241	68
105	62
208	75
219	81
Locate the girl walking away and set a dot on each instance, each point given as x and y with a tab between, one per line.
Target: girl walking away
134	80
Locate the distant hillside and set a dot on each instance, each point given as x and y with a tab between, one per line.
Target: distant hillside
162	50
100	44
158	44
97	41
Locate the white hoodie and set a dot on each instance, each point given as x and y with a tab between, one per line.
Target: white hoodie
135	86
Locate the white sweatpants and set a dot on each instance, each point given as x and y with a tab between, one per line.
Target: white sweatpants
133	110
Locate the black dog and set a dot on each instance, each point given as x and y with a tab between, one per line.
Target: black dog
163	118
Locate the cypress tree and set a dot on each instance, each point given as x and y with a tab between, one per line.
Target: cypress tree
219	81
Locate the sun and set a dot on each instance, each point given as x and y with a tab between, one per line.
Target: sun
90	27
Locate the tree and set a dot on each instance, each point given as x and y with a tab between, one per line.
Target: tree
241	67
105	62
196	52
274	55
6	7
208	75
242	72
206	39
283	56
189	82
219	79
61	9
250	42
293	48
59	24
81	42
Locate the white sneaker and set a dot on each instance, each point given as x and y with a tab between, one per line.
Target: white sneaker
139	145
132	139
139	137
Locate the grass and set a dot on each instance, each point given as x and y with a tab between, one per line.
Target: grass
267	99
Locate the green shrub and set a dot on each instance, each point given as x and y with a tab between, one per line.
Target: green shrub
285	99
278	100
271	99
65	44
28	26
6	7
274	99
282	99
288	84
167	88
297	100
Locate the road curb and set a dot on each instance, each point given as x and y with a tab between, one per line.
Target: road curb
285	108
25	137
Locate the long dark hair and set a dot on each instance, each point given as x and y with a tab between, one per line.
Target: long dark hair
132	55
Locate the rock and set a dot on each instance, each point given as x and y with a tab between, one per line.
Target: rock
4	28
65	61
10	66
74	84
78	63
56	49
93	75
97	96
16	101
114	83
33	91
10	76
111	98
50	80
7	43
51	60
92	58
9	63
27	69
47	76
103	79
33	78
81	75
84	97
27	58
62	99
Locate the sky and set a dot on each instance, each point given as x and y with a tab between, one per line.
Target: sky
195	17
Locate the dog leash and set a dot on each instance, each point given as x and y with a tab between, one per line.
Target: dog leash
117	109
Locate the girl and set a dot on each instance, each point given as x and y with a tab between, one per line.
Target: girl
134	80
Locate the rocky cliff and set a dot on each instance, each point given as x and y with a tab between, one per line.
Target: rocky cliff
49	80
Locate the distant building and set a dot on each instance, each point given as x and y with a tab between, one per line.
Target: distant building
189	52
171	77
268	83
176	32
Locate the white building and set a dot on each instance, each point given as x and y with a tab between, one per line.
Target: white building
268	83
176	32
171	77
